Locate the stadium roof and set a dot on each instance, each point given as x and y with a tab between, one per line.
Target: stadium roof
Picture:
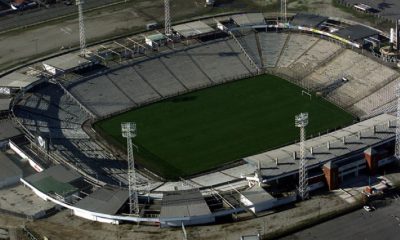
50	185
257	195
107	200
17	80
193	29
356	32
56	179
249	19
183	204
321	154
67	62
308	20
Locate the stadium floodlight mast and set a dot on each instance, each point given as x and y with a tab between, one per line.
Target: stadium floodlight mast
128	130
167	23
82	34
284	11
397	147
301	121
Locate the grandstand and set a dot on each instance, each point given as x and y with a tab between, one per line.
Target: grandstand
321	52
296	45
381	97
161	77
49	113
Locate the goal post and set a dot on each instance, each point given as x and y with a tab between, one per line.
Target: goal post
303	92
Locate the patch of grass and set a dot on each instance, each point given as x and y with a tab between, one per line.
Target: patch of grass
198	131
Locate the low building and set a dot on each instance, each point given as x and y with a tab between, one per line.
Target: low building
363	7
187	207
57	181
16	81
10	173
256	199
357	33
308	20
66	63
4	106
193	29
156	40
8	131
106	200
249	19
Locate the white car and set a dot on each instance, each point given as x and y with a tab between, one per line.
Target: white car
368	208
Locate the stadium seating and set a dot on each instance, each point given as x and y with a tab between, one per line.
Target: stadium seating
372	103
49	113
271	47
296	46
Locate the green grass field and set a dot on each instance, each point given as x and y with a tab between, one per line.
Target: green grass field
198	131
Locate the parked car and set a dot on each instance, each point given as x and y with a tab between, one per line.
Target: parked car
369	208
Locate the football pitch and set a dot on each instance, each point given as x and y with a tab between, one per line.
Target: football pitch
198	131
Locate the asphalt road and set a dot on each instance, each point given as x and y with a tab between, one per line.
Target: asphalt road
381	224
39	14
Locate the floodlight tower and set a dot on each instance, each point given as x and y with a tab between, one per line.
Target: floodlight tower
284	11
301	121
397	147
167	23
128	130
82	34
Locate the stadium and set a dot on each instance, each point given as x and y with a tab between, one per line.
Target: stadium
214	107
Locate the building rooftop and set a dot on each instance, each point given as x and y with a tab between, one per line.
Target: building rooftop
356	32
249	19
256	194
8	130
58	172
50	185
156	37
8	167
68	61
17	80
5	104
193	29
19	199
183	204
308	20
107	200
56	179
319	145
